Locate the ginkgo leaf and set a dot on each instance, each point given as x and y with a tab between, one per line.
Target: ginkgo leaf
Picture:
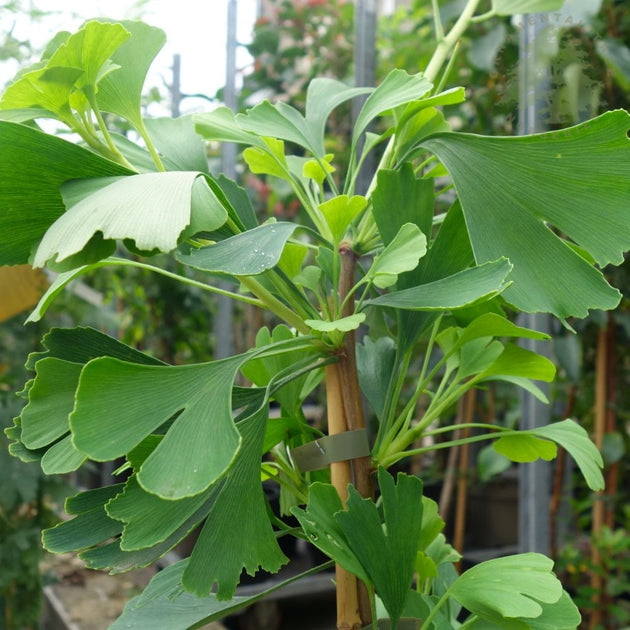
507	588
237	534
461	289
525	448
513	7
246	254
152	209
118	404
27	211
402	254
120	92
340	211
574	438
345	324
164	603
508	188
387	550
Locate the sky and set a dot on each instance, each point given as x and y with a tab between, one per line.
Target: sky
195	30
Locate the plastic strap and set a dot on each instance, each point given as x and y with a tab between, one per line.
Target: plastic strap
330	449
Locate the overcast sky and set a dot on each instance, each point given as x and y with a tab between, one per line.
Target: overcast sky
195	30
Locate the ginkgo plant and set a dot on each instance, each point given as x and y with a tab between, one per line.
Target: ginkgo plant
456	234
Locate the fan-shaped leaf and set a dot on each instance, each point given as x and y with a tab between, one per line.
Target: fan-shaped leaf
510	196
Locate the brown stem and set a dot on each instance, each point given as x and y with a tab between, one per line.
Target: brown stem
612	474
597	582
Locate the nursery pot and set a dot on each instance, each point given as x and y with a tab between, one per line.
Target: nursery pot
403	624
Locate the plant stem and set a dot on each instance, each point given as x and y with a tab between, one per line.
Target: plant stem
121	262
273	304
445	44
437	21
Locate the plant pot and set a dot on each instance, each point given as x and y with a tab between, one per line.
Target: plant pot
403	624
492	517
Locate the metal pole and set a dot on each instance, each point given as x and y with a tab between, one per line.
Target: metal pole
176	87
223	333
365	70
535	477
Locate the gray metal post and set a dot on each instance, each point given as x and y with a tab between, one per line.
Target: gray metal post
176	87
223	333
535	477
365	70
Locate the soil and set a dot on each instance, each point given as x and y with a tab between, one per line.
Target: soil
92	600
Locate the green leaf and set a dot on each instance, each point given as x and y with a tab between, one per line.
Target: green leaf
165	604
90	50
491	324
401	254
448	254
90	526
477	356
340	211
518	361
509	587
42	91
268	161
461	289
490	463
397	89
574	439
324	531
120	92
51	400
375	362
317	171
111	557
118	404
345	324
432	523
181	148
525	448
246	254
51	395
152	209
512	7
149	519
62	458
237	534
27	211
400	197
279	121
323	95
386	550
221	125
261	370
511	204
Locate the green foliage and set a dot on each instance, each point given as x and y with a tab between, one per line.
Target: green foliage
434	292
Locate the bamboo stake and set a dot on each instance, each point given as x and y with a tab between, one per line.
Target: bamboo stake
346	583
361	468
